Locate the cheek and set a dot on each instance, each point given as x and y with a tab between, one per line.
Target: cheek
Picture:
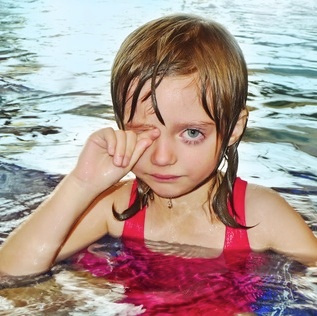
202	164
202	161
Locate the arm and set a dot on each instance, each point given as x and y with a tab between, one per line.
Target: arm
97	220
32	247
280	228
107	157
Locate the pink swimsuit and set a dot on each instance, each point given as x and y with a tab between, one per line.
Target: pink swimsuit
173	285
235	239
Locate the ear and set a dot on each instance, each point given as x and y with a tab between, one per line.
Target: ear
239	128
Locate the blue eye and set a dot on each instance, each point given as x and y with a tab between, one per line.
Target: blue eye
193	133
193	136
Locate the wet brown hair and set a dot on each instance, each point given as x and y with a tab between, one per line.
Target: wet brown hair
180	45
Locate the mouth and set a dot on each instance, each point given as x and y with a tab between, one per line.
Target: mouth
164	177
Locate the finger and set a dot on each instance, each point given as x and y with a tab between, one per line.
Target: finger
144	141
110	139
131	139
151	134
105	139
120	148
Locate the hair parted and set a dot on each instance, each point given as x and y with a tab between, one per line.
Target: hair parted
180	45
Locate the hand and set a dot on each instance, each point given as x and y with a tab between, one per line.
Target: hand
109	155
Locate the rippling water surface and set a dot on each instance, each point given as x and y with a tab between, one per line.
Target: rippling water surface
55	61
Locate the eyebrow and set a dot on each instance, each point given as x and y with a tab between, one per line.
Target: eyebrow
181	125
139	126
194	124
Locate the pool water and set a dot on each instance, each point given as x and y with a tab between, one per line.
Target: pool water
55	61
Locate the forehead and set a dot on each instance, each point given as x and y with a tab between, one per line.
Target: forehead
177	96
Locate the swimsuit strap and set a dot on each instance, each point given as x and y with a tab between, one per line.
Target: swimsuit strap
134	226
237	238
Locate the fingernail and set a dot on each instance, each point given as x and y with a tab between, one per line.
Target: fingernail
156	132
125	162
117	160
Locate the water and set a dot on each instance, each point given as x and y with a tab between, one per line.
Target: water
55	60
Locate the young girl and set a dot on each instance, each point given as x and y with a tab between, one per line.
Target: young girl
179	88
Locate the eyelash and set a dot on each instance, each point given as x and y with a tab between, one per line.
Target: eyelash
196	140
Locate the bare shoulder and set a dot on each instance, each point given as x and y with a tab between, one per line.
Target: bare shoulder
277	225
264	203
267	208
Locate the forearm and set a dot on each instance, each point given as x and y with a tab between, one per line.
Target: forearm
107	157
32	247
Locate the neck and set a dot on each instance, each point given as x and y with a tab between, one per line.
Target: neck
198	199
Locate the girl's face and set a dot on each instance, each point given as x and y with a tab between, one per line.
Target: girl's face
185	153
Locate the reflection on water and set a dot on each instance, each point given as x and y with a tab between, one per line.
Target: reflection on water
67	293
55	61
123	281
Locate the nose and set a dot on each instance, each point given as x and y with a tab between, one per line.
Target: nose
163	152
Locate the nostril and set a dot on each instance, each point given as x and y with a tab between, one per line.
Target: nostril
163	153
